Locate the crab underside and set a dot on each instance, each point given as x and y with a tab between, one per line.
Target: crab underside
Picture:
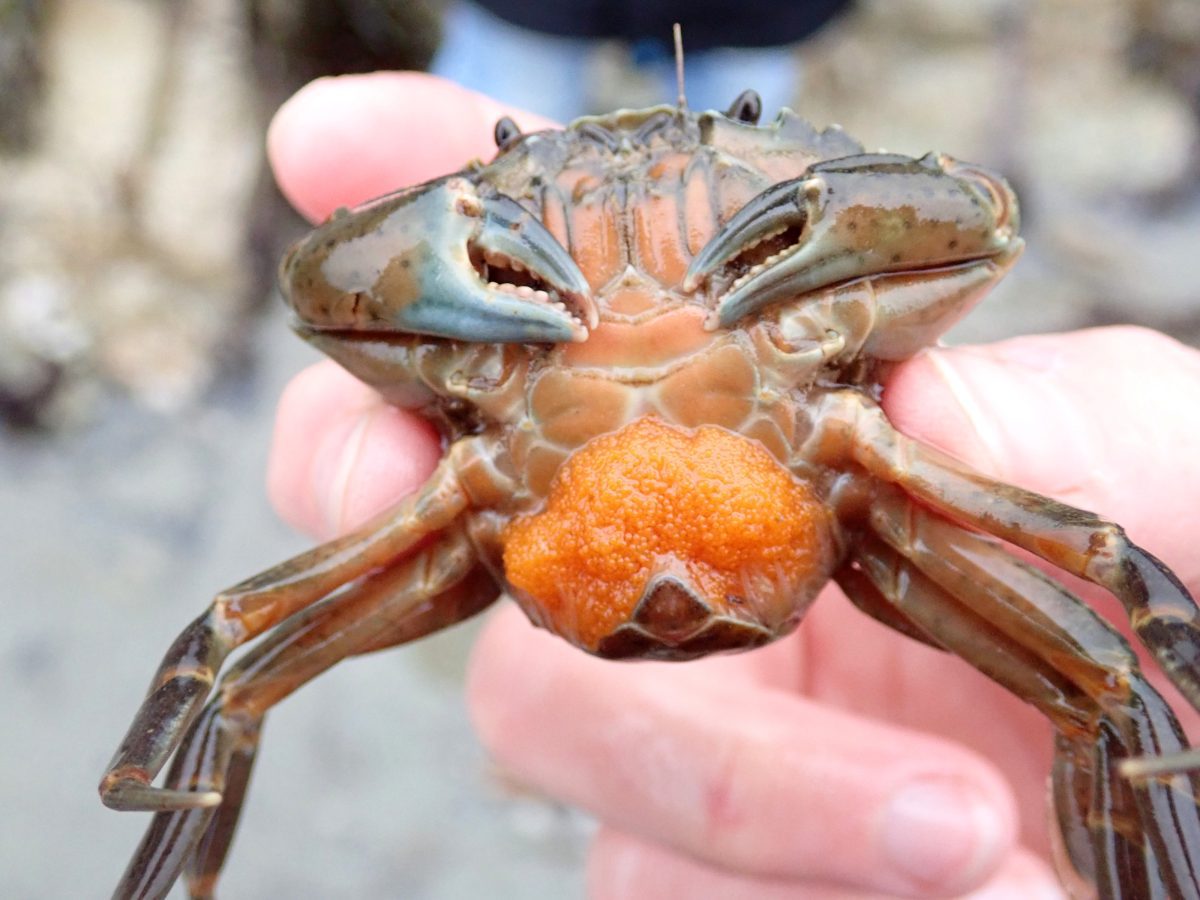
655	343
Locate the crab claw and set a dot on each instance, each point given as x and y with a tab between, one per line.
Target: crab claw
851	218
447	259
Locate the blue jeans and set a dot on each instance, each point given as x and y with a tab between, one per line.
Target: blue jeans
548	74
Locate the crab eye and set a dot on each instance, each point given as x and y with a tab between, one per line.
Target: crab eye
505	132
746	108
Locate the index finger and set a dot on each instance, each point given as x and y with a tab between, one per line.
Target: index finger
341	141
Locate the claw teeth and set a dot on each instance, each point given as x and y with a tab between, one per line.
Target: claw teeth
491	264
500	261
746	253
525	292
755	269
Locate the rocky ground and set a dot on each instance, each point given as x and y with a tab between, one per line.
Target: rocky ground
123	277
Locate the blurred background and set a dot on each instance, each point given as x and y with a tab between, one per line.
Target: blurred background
142	349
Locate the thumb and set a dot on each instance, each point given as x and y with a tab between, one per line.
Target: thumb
1106	419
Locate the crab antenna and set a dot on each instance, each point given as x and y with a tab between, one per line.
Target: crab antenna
677	31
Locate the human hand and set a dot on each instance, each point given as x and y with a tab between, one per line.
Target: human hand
845	761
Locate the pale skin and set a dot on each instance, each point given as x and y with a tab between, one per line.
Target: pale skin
846	761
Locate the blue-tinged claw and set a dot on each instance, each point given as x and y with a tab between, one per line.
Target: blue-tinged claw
851	218
780	209
445	259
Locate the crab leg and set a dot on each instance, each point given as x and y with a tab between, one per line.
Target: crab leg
1032	636
257	604
1093	850
1163	614
1080	819
431	590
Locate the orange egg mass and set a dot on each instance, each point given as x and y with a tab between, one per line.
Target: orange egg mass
651	496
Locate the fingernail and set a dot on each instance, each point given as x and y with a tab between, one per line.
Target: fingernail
940	832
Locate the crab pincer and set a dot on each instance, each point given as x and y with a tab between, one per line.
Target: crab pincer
858	220
451	259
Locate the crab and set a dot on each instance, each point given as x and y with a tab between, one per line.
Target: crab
654	343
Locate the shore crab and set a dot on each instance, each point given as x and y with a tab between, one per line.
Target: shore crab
654	343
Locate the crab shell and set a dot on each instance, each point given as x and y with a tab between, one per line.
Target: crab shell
616	306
